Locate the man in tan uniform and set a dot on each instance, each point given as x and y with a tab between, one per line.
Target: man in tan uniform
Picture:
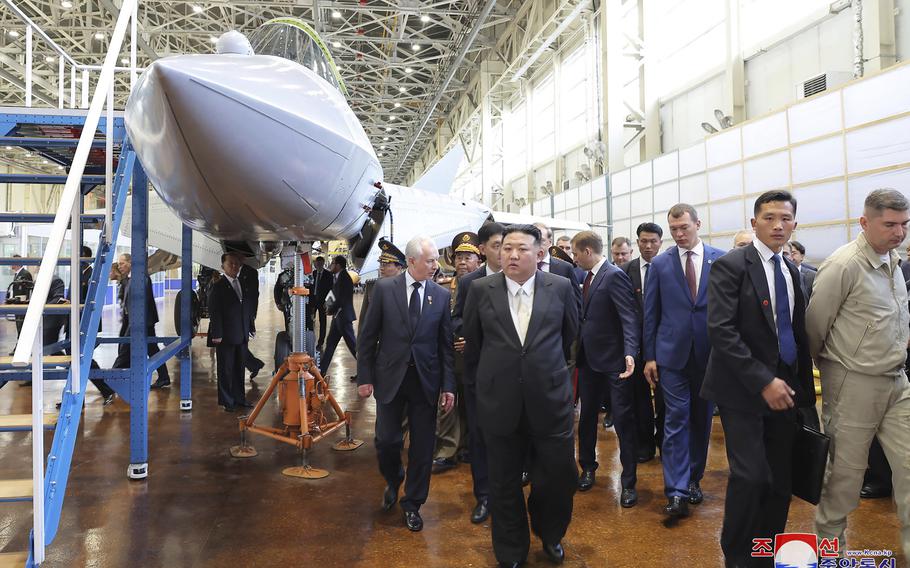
857	325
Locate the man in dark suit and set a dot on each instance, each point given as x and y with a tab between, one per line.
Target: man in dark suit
322	285
608	344
20	289
620	250
249	281
405	363
798	256
676	352
554	265
650	429
490	237
125	264
343	315
519	327
230	321
758	372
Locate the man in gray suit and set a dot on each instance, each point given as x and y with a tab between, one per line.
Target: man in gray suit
795	252
405	360
519	326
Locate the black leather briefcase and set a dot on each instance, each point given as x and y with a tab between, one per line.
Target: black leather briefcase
810	457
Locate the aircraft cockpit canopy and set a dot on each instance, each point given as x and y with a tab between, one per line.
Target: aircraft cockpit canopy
294	39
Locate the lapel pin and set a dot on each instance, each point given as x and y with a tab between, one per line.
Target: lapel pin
430	300
710	261
765	303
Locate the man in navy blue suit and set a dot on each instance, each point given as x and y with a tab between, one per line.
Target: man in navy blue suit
343	315
676	353
406	364
607	346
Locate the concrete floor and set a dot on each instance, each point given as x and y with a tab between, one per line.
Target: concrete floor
200	507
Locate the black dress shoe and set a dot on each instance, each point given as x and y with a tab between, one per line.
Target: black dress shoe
525	478
695	494
161	383
645	457
586	481
629	498
230	409
480	512
608	421
443	464
389	497
677	507
515	564
255	371
554	552
413	521
246	405
874	491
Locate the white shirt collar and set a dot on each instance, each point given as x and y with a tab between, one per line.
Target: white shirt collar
546	259
410	280
231	278
599	265
528	286
698	249
490	270
763	251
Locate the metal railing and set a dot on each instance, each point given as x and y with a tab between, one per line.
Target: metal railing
29	347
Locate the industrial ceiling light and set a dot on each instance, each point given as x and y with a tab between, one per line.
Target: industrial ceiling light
99	35
391	118
213	39
124	61
9	147
415	46
397	105
336	44
197	8
13	33
382	147
402	90
49	59
380	154
336	14
385	138
388	128
424	18
408	70
66	4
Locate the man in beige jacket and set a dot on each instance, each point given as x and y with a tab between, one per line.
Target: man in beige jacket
857	325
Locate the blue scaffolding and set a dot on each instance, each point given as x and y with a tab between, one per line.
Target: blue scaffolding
45	132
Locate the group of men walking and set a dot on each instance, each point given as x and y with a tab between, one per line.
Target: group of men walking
701	326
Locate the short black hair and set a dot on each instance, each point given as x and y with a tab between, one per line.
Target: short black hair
231	253
771	197
319	258
341	261
648	227
86	252
525	229
798	246
488	230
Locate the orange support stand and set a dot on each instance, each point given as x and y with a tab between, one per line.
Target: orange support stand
306	418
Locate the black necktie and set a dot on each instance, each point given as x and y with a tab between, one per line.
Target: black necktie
414	305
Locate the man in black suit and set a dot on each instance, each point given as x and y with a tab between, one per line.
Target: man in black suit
322	285
20	289
806	273
490	236
519	327
249	281
125	264
650	428
342	314
798	256
609	341
553	265
405	363
230	321
758	372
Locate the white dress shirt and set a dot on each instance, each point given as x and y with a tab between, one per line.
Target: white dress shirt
698	258
526	302
409	289
768	264
235	286
644	267
597	268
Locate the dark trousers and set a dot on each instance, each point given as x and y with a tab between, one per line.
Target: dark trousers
591	387
123	350
320	313
554	479
643	408
687	427
479	467
230	358
102	386
759	450
340	328
411	400
251	362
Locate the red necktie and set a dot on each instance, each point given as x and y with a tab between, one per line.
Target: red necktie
586	285
690	274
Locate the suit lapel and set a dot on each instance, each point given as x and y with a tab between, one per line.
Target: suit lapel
499	297
595	284
399	299
635	274
678	271
706	262
542	302
760	283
